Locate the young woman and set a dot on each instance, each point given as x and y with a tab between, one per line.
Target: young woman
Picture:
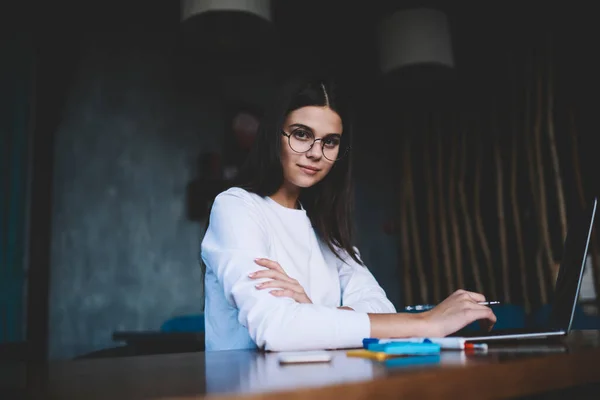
281	271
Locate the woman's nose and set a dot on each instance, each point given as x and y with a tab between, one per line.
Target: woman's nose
315	151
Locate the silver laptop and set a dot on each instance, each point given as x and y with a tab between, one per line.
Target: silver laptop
566	291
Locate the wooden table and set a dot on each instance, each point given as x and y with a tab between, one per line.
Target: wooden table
504	371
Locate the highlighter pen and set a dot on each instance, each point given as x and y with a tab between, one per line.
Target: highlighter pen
425	307
374	355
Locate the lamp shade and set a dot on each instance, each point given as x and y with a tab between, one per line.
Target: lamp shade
414	37
259	8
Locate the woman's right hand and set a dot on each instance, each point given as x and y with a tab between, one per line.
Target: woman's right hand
457	311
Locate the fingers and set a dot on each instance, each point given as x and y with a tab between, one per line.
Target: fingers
280	285
489	319
486	325
284	284
474	306
272	274
484	316
300	298
473	296
475	314
284	293
265	262
476	296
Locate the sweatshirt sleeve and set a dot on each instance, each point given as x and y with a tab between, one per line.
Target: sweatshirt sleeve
236	236
360	290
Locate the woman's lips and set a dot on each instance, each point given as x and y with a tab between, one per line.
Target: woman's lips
308	170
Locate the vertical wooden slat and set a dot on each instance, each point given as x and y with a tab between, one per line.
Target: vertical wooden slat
543	209
414	232
517	219
534	181
515	177
485	248
404	236
458	262
442	211
431	218
552	143
501	220
462	193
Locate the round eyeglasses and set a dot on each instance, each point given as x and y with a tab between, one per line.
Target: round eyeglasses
302	140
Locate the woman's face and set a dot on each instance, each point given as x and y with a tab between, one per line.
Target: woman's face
305	169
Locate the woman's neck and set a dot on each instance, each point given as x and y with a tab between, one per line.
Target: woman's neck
287	196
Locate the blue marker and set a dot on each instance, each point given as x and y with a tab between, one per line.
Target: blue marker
455	343
405	348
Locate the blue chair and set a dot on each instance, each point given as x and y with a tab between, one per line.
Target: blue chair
184	323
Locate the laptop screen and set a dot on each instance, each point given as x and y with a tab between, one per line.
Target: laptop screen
571	269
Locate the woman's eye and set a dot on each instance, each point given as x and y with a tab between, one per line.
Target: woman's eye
331	141
301	134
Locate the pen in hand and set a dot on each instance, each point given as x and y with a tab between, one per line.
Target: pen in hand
426	307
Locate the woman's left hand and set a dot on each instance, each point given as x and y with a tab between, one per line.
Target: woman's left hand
286	286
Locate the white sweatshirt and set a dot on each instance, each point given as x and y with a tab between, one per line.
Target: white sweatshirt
244	226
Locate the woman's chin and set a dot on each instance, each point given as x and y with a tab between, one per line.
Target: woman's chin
306	182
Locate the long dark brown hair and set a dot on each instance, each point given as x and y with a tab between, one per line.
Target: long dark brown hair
330	203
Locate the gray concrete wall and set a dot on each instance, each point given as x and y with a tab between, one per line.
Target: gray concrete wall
124	254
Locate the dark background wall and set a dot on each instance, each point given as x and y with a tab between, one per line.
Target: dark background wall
124	254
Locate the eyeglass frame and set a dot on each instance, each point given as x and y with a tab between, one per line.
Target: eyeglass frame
289	137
